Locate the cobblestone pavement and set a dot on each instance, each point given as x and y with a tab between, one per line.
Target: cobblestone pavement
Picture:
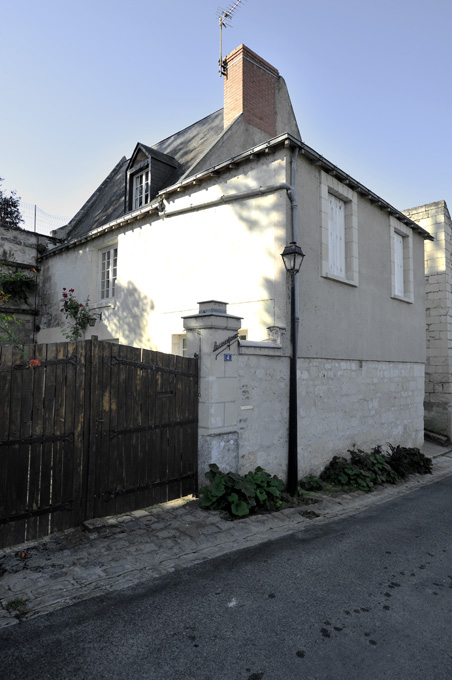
117	552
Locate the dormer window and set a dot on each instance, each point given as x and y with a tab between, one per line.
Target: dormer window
141	189
148	171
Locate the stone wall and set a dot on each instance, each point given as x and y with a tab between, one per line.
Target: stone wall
19	250
342	403
436	219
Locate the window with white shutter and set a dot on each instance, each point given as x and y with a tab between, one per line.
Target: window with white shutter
401	260
398	265
339	230
336	235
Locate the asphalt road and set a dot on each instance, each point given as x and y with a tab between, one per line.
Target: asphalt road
367	597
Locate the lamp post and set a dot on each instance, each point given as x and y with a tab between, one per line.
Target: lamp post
293	257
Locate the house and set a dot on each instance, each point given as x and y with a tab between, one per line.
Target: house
204	215
436	219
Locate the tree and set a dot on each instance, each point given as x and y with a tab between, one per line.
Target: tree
10	215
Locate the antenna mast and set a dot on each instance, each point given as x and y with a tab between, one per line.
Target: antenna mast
225	15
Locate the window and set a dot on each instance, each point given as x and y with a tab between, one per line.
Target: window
339	230
179	344
141	189
108	263
401	261
336	235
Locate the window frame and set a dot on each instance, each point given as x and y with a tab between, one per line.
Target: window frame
329	186
112	250
141	191
400	230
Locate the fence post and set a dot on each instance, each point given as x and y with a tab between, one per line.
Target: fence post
212	335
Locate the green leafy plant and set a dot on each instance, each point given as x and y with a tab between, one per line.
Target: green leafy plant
376	463
17	284
406	461
342	472
9	324
366	470
237	496
76	313
312	483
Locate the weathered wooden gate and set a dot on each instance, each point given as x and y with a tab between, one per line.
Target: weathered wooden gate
91	429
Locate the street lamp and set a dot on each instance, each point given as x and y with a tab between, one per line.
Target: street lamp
293	257
92	319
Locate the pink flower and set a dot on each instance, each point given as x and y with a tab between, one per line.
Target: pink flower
80	304
34	363
64	288
71	290
65	295
61	310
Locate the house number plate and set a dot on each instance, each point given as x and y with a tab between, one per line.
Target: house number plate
228	357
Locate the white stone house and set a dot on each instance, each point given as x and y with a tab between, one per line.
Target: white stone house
205	215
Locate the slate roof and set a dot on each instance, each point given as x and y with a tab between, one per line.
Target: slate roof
107	202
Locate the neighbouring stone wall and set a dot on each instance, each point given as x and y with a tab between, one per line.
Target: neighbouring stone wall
340	403
366	403
436	219
19	250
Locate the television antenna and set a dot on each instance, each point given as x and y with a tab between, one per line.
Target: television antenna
224	18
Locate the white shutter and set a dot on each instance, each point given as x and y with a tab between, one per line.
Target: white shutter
398	265
336	235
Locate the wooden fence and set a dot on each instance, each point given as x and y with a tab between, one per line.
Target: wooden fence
92	429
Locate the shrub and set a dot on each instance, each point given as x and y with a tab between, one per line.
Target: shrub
405	461
366	470
238	496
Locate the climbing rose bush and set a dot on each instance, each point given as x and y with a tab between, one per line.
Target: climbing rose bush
77	315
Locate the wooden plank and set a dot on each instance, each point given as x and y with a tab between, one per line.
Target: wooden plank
131	439
47	450
105	504
66	518
161	438
15	531
57	521
93	458
172	386
153	436
115	399
86	414
36	449
26	402
119	481
147	397
78	449
6	458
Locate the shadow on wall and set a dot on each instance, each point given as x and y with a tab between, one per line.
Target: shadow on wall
259	216
130	323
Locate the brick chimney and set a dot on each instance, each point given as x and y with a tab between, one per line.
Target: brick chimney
250	89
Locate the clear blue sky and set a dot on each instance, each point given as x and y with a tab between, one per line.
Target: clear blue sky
82	82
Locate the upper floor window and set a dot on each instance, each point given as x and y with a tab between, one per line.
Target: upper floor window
141	193
339	230
108	264
401	261
336	235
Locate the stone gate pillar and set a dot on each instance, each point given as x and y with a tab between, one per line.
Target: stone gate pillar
212	335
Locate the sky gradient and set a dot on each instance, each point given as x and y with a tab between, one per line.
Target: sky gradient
83	82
